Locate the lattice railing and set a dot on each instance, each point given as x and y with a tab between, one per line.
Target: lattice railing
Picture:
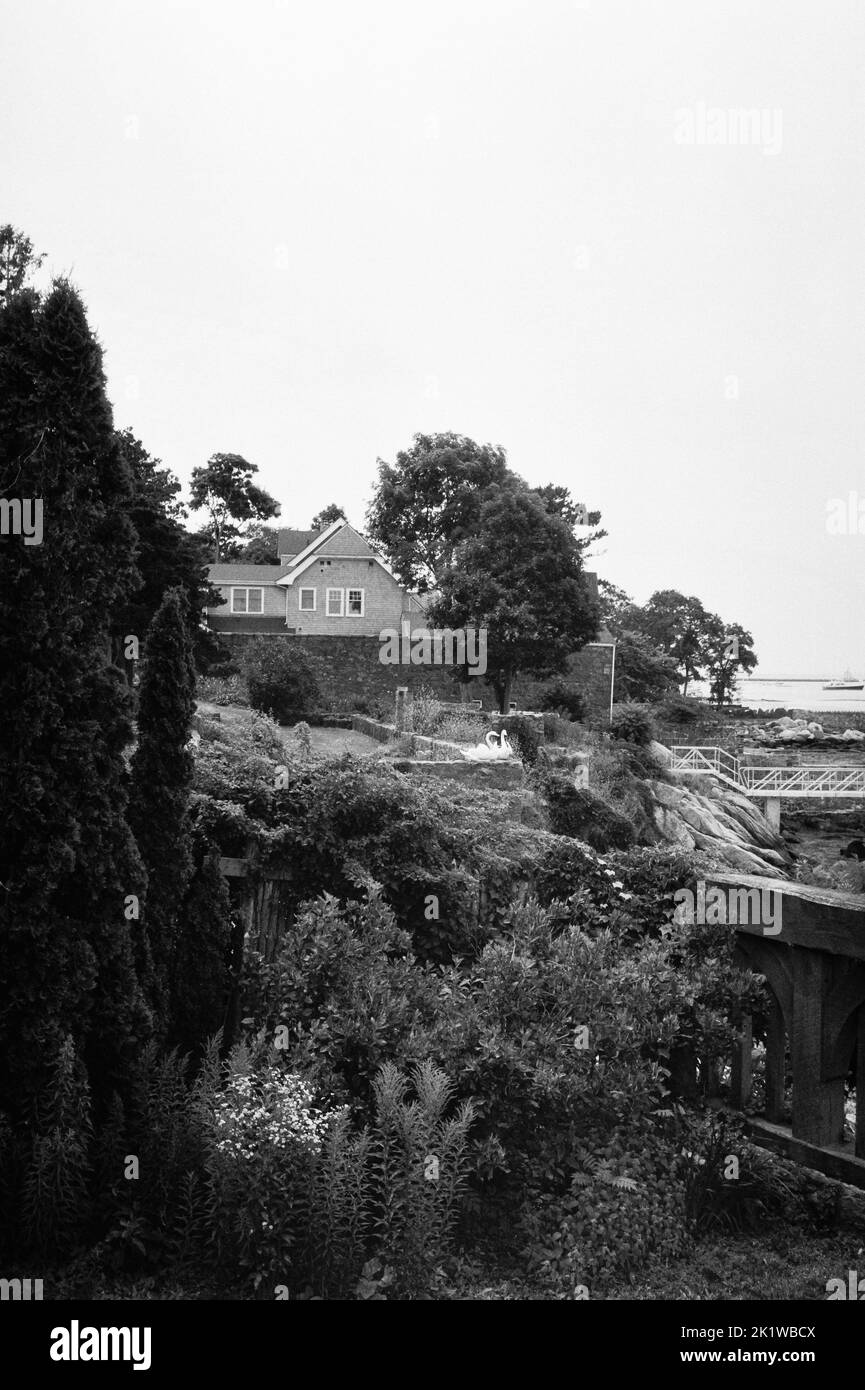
769	781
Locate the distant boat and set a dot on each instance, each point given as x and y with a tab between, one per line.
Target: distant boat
847	682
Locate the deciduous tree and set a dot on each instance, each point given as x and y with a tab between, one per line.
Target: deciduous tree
224	488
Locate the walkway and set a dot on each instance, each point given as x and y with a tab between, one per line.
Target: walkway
769	784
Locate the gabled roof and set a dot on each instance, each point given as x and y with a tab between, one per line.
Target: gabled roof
295	570
290	542
244	574
319	540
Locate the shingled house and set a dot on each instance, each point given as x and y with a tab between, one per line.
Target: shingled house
327	584
332	593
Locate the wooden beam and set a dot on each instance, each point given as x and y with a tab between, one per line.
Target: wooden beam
776	1063
835	1160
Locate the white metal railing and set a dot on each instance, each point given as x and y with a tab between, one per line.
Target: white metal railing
704	758
804	781
769	781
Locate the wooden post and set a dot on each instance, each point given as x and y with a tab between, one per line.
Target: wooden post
860	1083
776	1062
818	1104
399	718
740	1074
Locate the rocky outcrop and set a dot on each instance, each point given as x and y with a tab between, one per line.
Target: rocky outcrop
721	823
781	733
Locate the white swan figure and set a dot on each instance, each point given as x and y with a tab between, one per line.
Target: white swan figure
490	750
486	751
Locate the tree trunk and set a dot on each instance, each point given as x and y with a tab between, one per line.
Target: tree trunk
507	682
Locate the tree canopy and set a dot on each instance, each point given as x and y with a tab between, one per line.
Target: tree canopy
327	516
226	491
520	577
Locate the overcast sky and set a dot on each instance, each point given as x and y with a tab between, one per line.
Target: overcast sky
305	232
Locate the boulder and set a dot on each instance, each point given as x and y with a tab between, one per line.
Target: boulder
673	828
816	729
661	754
853	736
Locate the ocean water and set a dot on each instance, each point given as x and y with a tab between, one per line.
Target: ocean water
793	693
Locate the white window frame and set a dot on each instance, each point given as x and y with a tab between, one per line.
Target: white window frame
348	594
246	590
307	590
341	613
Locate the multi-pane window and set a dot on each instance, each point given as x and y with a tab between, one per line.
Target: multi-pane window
307	600
247	600
354	607
334	603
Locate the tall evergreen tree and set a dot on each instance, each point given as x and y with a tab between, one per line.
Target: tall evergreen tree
167	555
161	781
69	868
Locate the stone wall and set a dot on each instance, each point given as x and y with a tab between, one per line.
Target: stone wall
348	669
590	669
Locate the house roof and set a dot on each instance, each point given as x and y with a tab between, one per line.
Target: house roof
290	542
243	574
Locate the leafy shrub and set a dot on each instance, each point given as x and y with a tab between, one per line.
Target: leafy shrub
264	1136
622	1204
422	712
461	726
279	679
579	813
632	723
222	689
565	699
318	988
680	709
523	734
419	1161
55	1206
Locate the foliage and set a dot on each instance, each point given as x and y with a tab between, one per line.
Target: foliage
523	733
317	992
613	604
429	501
17	262
67	857
279	680
55	1205
693	638
167	557
643	670
565	699
680	709
161	775
326	517
202	977
623	1203
419	1165
224	488
259	547
577	812
729	649
222	690
632	723
519	576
